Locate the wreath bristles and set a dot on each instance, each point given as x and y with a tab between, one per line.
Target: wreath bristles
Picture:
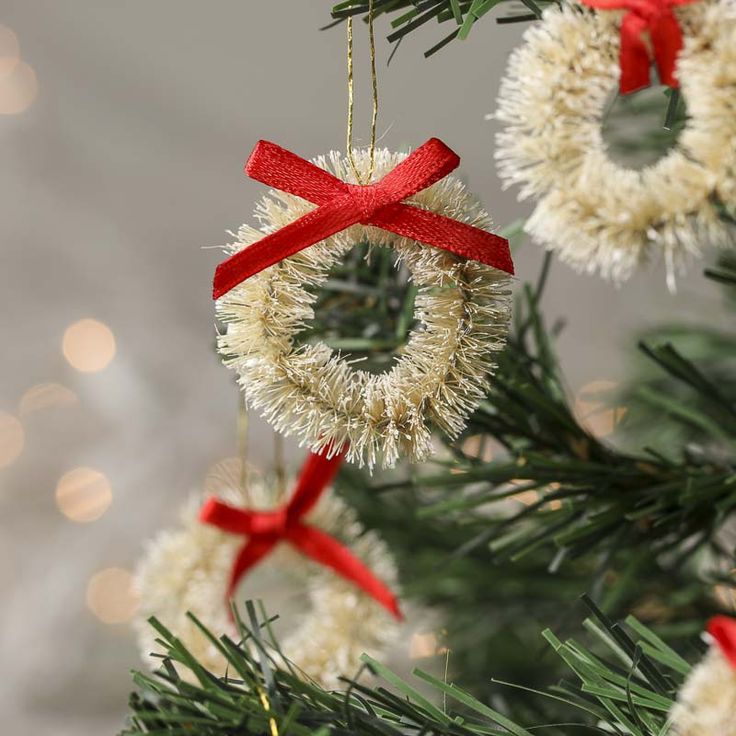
311	391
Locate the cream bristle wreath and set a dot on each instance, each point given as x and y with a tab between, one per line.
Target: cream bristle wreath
187	569
707	702
462	311
597	215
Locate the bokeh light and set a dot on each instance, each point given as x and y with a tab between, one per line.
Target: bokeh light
9	51
725	595
424	645
46	396
88	345
594	409
12	439
479	446
18	89
111	596
83	494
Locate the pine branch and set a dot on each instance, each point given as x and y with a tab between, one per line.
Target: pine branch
591	509
652	391
457	16
626	684
589	495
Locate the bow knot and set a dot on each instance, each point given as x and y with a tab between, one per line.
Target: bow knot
657	19
265	529
367	199
271	522
340	205
649	10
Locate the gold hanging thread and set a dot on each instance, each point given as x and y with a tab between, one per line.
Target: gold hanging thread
351	97
243	422
279	463
267	707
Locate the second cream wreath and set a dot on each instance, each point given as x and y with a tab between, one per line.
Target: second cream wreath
599	216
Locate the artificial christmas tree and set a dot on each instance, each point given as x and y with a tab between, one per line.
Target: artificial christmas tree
517	518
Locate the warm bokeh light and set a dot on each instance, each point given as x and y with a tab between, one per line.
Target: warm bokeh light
46	396
12	439
111	597
593	409
18	89
479	446
89	345
83	494
527	498
9	51
424	645
726	596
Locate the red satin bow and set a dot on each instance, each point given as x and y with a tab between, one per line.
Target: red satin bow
657	17
265	529
723	630
341	205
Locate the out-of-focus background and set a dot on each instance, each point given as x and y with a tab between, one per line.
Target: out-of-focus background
123	131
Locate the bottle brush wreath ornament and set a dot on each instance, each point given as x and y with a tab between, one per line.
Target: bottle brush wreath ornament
706	705
196	568
600	216
265	294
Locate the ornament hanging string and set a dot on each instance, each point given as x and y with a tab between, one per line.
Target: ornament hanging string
266	529
351	98
242	432
656	17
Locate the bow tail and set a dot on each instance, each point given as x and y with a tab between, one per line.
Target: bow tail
442	232
316	474
635	58
329	552
723	630
250	554
309	229
667	41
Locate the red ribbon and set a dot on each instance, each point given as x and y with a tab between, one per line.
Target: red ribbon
265	529
723	630
657	17
341	205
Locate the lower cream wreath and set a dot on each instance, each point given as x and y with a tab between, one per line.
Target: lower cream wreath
190	568
706	705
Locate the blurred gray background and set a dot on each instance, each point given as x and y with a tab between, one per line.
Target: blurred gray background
124	127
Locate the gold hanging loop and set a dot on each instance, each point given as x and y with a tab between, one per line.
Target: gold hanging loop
351	98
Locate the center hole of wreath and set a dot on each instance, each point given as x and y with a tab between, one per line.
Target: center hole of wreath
282	590
640	128
365	309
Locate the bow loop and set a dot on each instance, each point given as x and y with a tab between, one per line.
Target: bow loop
723	630
226	517
276	167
